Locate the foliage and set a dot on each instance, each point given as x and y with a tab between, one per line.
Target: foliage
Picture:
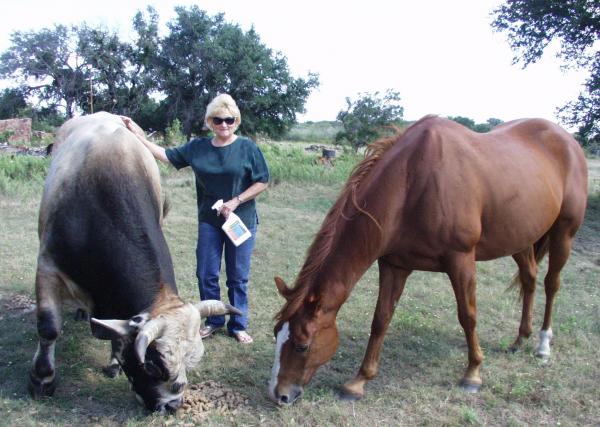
294	165
365	119
46	63
121	73
477	127
532	25
18	170
5	135
12	102
173	133
203	56
156	80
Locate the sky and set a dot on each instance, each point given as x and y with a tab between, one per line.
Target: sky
441	56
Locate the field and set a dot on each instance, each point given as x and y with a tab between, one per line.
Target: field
423	357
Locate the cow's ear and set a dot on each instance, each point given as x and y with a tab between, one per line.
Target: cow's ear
108	329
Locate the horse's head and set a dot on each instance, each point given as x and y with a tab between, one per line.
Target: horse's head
306	339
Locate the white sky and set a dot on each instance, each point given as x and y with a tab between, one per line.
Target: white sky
440	55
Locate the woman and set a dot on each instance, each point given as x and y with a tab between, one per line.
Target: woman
233	169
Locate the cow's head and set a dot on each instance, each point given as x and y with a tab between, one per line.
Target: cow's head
155	349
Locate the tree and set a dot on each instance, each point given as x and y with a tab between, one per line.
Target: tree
46	62
366	119
477	127
12	102
121	75
203	56
575	24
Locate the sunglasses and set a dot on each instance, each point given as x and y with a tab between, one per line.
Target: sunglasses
218	120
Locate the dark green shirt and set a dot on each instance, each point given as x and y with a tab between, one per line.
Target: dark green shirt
222	173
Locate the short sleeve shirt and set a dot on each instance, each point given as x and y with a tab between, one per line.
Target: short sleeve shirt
222	173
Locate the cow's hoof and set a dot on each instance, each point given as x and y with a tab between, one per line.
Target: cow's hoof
38	389
470	387
81	314
111	371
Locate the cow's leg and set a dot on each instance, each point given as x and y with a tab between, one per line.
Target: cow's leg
462	273
527	275
113	368
561	239
391	285
42	375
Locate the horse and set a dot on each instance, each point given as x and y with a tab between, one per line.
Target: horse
437	197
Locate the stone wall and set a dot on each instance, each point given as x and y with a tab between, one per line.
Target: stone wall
20	128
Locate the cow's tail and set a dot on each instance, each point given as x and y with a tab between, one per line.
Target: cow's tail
540	249
166	205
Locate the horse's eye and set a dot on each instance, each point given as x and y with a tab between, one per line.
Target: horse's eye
300	348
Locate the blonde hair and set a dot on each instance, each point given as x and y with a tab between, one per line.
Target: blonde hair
222	105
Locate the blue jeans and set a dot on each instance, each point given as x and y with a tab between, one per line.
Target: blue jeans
211	242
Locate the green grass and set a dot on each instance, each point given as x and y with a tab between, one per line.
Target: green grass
423	356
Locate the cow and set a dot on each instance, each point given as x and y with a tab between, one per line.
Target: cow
102	246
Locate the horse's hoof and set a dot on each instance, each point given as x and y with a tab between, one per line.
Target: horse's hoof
111	371
348	396
38	389
470	387
512	350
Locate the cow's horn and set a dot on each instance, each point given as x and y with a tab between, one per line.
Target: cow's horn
211	307
151	331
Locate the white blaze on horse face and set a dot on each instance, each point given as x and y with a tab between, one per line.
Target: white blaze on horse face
282	336
543	349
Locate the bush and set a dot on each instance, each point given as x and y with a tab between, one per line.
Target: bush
174	134
16	171
295	165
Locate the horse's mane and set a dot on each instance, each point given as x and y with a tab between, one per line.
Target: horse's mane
321	246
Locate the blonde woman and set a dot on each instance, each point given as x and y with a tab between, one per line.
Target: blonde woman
231	168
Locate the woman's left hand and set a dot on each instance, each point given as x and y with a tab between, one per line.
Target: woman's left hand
228	207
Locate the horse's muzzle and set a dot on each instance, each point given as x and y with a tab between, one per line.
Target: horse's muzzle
289	396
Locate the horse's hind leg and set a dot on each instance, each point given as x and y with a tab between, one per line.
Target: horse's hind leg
391	285
463	275
527	275
42	374
561	240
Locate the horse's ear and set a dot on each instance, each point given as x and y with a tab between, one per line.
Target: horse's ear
283	289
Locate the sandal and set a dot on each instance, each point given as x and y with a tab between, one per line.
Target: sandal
207	330
243	337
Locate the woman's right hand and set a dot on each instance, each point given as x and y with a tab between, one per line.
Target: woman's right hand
133	127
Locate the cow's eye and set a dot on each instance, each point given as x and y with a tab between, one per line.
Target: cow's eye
177	387
154	370
137	319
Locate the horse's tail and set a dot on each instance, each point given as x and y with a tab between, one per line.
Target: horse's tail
540	249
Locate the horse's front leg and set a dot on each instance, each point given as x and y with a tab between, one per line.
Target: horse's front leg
462	273
42	374
391	285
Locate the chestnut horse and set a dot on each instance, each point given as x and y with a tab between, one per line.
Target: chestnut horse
438	197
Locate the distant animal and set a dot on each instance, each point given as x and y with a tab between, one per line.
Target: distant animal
102	245
438	197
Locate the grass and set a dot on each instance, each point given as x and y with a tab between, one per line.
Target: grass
422	360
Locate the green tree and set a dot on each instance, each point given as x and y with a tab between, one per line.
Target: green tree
477	127
47	63
367	118
12	103
122	76
203	56
575	24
